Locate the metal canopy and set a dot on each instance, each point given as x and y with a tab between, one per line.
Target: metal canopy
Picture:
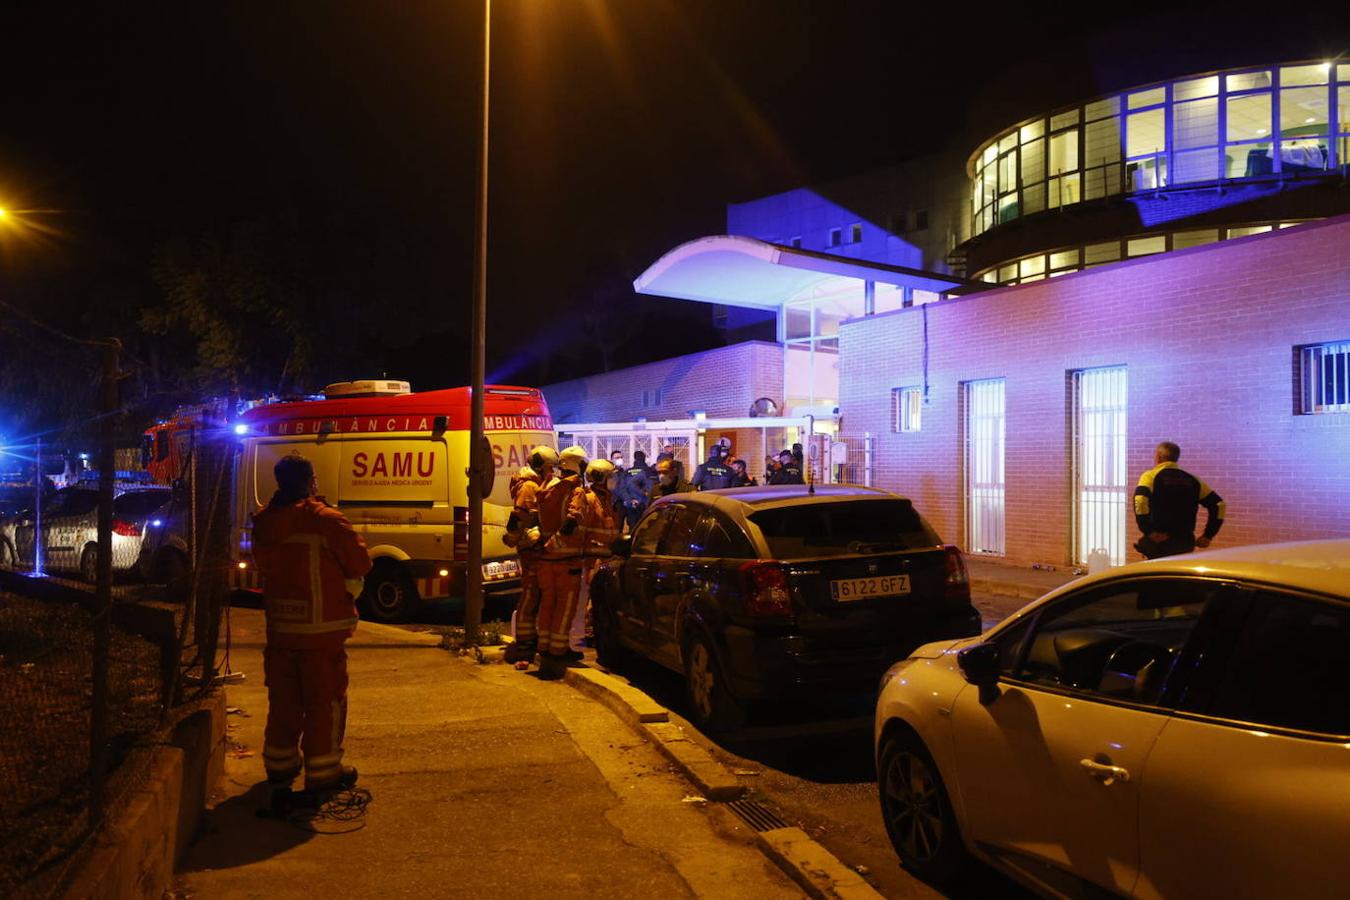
732	270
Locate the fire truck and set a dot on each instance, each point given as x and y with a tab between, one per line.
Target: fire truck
166	445
395	462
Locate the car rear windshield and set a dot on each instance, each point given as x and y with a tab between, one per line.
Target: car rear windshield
837	529
139	503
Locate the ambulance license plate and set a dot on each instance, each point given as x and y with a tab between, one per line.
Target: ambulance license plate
501	568
845	589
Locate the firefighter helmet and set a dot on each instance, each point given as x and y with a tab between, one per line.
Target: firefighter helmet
599	472
573	460
543	457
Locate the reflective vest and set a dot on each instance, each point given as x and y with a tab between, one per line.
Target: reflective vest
311	562
597	521
554	503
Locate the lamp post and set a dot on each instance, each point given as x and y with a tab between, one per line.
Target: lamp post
480	455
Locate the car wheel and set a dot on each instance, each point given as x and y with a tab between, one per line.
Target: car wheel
711	704
917	811
389	594
89	564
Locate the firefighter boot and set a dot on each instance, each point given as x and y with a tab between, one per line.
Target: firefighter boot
551	668
520	652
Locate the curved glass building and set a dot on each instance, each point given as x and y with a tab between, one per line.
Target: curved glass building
1159	167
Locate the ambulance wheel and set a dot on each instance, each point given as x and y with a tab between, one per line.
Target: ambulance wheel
389	595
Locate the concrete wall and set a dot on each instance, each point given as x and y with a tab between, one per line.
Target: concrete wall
723	382
1208	337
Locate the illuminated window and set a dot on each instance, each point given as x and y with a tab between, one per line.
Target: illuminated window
855	233
836	237
1183	239
651	398
1323	378
1146	246
1247	231
907	409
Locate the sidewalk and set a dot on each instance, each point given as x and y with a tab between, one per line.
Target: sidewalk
485	782
991	577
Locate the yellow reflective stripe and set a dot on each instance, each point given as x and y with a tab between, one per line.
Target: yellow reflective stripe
319	628
1141	504
315	543
281	755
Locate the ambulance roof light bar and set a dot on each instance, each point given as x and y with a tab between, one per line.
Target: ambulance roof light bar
368	388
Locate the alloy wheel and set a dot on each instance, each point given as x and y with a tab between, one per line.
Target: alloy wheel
701	680
914	807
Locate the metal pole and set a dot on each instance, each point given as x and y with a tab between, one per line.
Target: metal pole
98	713
473	594
37	511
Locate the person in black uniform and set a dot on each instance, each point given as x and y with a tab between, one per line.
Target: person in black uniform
789	470
1166	503
714	473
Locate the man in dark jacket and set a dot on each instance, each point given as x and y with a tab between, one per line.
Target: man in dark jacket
1165	506
634	491
789	470
714	473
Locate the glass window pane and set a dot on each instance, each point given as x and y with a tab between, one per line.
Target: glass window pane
1146	246
1198	87
1064	259
1033	162
1195	124
1032	265
1063	152
1183	239
1033	130
1248	117
1248	160
1100	109
1064	119
921	297
989	154
1308	155
887	298
1145	133
1247	230
1147	173
1315	74
1008	208
1343	111
1007	173
1150	97
1196	165
1303	111
1101	181
1101	142
1007	273
1007	142
798	321
1096	254
1033	199
1246	81
1343	73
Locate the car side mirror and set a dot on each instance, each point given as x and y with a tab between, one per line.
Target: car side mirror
979	664
622	546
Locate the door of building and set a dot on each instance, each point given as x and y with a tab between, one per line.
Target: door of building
984	402
1100	489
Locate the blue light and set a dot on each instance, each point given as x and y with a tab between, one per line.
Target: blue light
155	523
241	428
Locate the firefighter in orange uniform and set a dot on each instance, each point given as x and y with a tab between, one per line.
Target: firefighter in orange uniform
312	563
560	566
522	533
599	524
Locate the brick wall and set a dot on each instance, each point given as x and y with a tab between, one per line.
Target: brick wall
1207	335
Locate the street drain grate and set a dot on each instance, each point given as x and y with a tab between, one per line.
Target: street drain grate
756	816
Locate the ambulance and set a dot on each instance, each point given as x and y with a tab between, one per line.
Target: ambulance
394	462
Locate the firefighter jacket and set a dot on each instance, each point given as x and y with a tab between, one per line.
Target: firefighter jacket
311	562
555	502
714	474
1168	498
597	525
523	523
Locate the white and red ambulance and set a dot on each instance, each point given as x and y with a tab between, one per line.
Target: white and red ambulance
394	463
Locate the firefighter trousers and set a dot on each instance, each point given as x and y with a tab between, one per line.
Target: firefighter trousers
527	609
306	712
559	586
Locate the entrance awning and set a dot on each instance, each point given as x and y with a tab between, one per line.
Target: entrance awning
731	270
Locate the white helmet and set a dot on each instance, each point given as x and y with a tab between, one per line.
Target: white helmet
600	471
573	460
543	457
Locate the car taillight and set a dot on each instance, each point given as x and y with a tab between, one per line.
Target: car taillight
125	528
766	589
461	545
958	581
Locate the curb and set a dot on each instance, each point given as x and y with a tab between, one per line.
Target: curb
816	870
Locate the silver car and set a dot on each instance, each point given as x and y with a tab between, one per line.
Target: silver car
70	530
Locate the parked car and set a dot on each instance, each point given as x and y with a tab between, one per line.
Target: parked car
70	530
1174	728
778	591
165	553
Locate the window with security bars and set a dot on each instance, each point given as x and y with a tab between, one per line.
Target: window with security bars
907	409
1324	378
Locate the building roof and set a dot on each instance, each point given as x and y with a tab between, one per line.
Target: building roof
732	270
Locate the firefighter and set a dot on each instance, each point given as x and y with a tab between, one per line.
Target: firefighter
598	525
522	532
714	473
560	563
789	469
668	480
311	562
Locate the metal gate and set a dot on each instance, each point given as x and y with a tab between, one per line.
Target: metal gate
600	442
1100	487
984	420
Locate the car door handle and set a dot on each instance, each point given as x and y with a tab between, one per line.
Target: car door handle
1104	772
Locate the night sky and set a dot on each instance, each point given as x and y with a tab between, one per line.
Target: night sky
620	129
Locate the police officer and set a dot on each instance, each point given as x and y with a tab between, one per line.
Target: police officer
634	491
742	477
789	470
715	473
1165	506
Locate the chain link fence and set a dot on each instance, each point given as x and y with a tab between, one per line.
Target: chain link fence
59	686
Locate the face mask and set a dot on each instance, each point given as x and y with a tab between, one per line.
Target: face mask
618	462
